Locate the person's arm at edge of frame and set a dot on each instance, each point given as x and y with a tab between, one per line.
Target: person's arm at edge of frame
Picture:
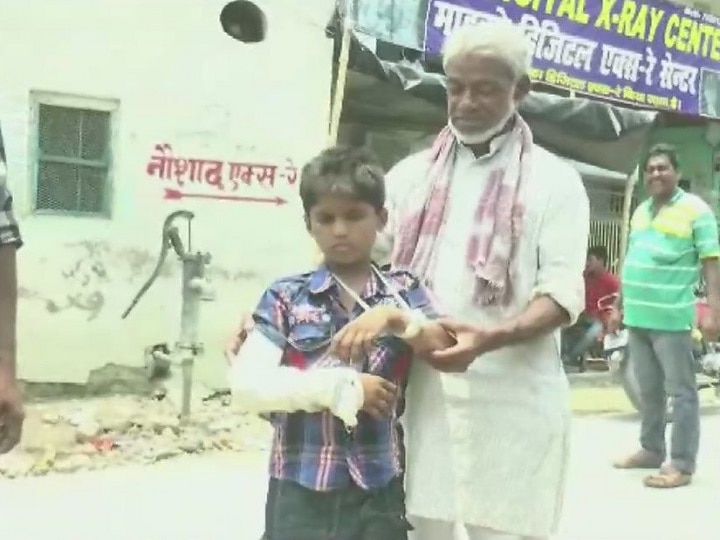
11	407
10	242
8	309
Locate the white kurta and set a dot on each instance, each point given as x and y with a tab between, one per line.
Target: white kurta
489	447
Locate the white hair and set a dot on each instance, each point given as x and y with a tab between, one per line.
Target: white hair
500	39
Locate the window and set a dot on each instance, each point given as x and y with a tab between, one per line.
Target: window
73	149
617	203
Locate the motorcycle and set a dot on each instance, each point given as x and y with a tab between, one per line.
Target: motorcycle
706	359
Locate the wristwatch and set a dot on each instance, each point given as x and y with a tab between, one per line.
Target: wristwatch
416	323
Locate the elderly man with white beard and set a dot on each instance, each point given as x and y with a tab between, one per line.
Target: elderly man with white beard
497	228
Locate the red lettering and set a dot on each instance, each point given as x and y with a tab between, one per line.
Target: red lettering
265	173
163	164
160	164
214	174
291	172
242	172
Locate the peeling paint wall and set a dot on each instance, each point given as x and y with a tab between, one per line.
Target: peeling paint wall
177	79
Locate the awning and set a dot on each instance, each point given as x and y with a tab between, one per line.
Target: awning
406	94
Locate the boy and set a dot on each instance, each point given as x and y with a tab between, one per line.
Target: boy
337	454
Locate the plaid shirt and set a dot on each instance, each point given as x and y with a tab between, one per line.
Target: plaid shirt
301	314
9	232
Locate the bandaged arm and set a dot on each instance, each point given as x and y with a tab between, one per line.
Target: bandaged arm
260	384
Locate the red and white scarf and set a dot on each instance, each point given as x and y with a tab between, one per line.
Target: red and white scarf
493	240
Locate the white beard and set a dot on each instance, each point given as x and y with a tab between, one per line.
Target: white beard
481	137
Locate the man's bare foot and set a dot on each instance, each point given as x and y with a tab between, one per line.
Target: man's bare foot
642	459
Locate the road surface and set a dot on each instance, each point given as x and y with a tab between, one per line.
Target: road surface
221	497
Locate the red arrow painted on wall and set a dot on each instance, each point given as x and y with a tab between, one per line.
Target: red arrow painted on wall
176	195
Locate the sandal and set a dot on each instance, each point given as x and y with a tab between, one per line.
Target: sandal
642	459
667	478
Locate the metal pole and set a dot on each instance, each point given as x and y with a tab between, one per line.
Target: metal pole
189	319
341	79
338	93
189	323
627	208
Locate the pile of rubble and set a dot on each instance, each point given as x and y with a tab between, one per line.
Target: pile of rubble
67	436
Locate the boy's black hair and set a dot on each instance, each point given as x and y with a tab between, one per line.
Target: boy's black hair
343	170
599	252
666	150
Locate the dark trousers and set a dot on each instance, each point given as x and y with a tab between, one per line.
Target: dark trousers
293	512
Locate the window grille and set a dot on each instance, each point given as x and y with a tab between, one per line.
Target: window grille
73	160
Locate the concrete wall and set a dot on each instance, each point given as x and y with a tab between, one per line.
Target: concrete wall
169	75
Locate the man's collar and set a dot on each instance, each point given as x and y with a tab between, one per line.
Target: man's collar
674	198
495	145
499	142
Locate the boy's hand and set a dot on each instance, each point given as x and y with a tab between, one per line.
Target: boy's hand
355	339
379	396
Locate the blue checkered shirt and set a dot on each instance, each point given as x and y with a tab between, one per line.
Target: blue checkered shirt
301	314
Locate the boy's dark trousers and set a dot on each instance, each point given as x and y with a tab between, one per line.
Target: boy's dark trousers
293	512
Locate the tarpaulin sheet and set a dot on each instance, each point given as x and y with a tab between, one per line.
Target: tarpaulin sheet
586	130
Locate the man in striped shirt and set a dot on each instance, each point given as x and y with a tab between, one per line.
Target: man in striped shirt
673	234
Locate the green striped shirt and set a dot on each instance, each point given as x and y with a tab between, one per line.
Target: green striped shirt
662	264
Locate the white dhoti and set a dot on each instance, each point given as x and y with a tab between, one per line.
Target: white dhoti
427	529
486	451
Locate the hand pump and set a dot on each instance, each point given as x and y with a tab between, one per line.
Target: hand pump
195	288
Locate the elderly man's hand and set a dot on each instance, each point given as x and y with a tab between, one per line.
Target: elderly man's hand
471	342
232	347
11	409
